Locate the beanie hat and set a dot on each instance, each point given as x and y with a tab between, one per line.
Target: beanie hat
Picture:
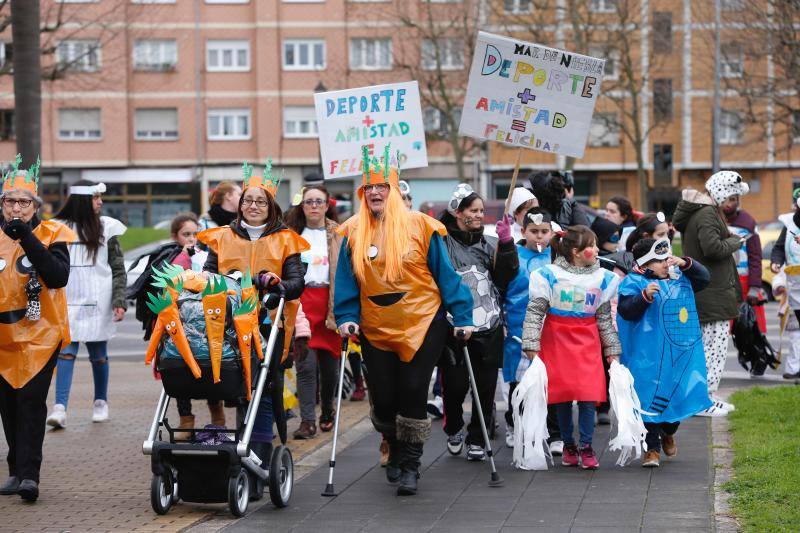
724	184
605	230
519	196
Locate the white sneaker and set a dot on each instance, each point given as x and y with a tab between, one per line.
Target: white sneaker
510	437
475	453
58	417
714	410
100	411
436	407
723	404
557	447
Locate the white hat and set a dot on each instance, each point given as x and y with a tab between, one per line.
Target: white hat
725	184
519	197
461	191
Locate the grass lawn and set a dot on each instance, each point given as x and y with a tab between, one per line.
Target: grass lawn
766	485
138	236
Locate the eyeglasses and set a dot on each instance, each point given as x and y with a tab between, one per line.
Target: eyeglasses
313	202
22	202
378	187
259	202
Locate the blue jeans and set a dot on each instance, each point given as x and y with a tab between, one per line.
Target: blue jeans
586	412
98	355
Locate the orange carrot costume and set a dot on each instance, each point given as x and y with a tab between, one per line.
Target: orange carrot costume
245	320
215	298
169	320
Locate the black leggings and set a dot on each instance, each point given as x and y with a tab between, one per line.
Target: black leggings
185	406
24	411
401	388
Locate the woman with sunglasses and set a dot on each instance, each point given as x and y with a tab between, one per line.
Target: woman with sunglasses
314	218
34	268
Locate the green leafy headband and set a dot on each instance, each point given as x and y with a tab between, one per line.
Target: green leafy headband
32	175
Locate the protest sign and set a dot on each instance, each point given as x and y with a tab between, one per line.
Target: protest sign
373	116
531	96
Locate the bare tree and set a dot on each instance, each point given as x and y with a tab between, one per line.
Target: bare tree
27	78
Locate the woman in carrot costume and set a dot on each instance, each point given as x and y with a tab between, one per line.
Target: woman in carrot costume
34	268
258	242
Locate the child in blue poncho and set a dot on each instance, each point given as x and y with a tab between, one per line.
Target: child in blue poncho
661	341
534	252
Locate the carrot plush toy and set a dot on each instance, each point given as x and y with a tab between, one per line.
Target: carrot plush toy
169	320
215	297
245	320
249	291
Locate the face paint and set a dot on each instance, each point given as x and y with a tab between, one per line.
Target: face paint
588	253
468	221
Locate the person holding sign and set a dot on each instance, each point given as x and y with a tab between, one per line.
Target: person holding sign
486	265
394	282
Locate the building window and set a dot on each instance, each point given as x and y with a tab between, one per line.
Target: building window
152	1
732	5
157	124
732	60
82	56
662	32
79	124
304	54
155	55
604	130
795	127
517	7
299	122
602	6
662	99
611	70
451	54
229	1
7	125
662	165
435	120
6	56
228	124
731	128
370	54
228	56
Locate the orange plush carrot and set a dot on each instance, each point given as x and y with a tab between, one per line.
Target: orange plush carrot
246	323
169	320
214	300
249	291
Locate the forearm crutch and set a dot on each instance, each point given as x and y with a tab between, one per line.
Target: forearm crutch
494	480
329	492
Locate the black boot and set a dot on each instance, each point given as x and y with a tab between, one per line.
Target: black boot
393	466
29	490
412	434
11	486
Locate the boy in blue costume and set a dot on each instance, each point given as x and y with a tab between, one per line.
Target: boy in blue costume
661	341
534	252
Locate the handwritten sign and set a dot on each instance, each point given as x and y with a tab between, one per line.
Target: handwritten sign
373	116
529	95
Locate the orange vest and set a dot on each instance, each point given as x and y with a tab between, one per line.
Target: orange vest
25	345
395	316
235	252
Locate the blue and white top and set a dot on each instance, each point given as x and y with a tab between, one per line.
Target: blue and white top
571	294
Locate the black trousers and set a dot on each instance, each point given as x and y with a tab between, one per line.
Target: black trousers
24	412
401	388
185	406
655	431
552	422
484	354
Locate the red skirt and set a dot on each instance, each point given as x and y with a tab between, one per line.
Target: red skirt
572	355
315	306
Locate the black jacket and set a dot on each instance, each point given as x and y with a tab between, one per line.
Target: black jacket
144	284
51	263
294	271
571	214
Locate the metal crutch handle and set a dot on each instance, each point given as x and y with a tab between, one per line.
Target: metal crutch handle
329	490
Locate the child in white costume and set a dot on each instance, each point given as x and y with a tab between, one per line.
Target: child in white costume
789	325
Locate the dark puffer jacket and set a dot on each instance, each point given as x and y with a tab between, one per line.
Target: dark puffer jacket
706	238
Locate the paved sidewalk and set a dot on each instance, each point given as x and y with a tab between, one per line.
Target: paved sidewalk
454	495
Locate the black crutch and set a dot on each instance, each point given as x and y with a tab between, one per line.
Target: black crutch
494	480
329	492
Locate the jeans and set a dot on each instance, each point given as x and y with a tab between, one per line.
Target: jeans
586	412
98	355
307	382
656	431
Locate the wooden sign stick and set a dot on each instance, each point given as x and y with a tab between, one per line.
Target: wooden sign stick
513	181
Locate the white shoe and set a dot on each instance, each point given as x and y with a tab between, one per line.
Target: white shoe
510	437
100	411
557	447
475	453
436	407
58	417
723	404
714	410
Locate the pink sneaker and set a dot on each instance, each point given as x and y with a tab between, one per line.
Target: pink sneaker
570	455
588	458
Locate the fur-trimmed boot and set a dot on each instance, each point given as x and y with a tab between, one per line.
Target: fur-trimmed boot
389	432
411	434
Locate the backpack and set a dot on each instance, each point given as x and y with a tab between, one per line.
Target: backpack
755	351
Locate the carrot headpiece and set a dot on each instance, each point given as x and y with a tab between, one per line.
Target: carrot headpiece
375	171
267	181
16	179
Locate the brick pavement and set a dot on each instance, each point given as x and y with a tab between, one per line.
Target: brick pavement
94	476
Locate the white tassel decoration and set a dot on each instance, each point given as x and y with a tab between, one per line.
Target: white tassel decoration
529	402
631	433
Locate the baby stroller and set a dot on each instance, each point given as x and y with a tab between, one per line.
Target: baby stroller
223	468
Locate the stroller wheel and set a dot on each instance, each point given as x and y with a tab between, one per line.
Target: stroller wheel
281	476
162	495
239	493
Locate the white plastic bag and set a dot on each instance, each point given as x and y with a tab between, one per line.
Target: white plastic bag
631	433
529	402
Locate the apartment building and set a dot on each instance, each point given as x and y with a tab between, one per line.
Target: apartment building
160	99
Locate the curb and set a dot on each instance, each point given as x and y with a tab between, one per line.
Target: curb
722	458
